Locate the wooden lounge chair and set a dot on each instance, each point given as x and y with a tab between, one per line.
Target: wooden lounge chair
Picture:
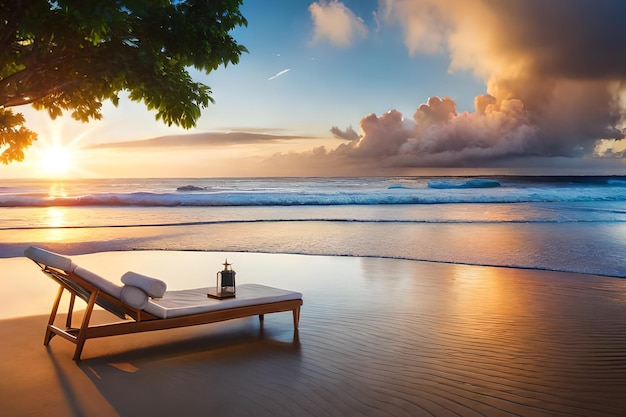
138	305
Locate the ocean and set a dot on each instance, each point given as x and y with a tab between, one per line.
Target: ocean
573	223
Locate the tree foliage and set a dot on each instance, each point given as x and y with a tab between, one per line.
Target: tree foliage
72	55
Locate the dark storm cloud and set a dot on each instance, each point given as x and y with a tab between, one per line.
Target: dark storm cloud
555	73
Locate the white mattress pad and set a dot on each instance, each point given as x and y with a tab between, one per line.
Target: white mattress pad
193	301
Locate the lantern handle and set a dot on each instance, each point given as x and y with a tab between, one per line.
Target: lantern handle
226	265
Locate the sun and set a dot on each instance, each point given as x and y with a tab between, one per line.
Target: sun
55	161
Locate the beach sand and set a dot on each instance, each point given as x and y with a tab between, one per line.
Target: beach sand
377	337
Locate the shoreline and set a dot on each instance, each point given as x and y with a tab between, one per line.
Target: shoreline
15	250
377	335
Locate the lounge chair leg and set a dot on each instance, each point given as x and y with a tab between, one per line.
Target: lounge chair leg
70	311
49	334
82	333
296	317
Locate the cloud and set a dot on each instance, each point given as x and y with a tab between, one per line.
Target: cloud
560	58
555	78
438	136
336	23
203	140
279	74
348	134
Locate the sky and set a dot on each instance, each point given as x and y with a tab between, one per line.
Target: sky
379	87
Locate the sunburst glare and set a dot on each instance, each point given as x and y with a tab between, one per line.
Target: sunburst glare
56	157
55	160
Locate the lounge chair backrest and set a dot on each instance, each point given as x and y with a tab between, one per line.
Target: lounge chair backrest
101	283
65	268
134	294
51	259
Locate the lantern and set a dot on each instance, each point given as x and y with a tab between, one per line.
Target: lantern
224	283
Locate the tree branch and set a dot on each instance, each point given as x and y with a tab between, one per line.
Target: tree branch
34	81
7	34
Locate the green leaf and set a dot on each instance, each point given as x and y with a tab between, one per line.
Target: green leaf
72	55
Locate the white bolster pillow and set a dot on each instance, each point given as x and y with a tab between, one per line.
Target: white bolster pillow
134	297
50	258
155	288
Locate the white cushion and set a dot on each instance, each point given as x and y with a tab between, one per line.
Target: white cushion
99	282
51	259
134	297
153	287
185	302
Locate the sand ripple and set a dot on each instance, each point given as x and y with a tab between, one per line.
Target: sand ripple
395	339
477	342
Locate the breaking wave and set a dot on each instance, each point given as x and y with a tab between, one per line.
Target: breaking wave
453	184
322	192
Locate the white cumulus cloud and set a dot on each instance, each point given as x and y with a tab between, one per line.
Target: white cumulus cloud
336	23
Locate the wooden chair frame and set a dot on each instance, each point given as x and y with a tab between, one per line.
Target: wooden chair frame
135	321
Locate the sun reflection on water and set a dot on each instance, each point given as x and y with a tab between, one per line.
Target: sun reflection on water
57	190
54	219
487	303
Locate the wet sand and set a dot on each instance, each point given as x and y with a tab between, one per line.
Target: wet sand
377	337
